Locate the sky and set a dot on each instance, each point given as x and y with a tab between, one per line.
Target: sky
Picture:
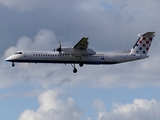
52	91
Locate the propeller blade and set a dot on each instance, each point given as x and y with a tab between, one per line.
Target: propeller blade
60	48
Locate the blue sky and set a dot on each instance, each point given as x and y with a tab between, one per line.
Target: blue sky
52	91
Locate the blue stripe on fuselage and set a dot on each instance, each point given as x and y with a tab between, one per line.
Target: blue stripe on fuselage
65	62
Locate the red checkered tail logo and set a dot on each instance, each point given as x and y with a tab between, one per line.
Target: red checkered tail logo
143	44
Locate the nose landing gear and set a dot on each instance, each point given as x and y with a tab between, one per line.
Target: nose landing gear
13	64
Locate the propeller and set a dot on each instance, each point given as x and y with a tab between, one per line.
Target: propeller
60	48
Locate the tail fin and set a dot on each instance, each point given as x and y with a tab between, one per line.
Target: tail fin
143	43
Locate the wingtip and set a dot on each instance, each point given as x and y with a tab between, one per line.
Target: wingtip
85	37
152	32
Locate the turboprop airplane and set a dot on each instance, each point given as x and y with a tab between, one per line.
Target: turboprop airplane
81	54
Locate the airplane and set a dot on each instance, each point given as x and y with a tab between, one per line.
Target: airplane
81	54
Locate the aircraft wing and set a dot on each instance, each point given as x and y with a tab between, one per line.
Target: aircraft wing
82	44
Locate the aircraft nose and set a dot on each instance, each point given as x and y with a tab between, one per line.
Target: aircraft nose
10	58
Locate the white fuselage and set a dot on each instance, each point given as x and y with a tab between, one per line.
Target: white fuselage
55	57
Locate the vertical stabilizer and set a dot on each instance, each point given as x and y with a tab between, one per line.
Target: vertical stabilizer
143	43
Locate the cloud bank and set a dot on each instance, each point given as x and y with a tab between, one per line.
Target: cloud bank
138	110
52	107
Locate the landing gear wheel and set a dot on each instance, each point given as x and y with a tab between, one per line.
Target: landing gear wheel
74	70
13	64
80	64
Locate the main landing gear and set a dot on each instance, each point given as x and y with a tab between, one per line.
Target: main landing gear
13	64
80	64
74	68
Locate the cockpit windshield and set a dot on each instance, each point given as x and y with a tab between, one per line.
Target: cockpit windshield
18	52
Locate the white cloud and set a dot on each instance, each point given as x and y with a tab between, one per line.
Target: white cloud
89	118
140	109
52	107
99	105
44	40
21	95
28	5
24	5
92	6
20	4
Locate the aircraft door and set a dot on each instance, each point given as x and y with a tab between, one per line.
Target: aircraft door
104	58
26	56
